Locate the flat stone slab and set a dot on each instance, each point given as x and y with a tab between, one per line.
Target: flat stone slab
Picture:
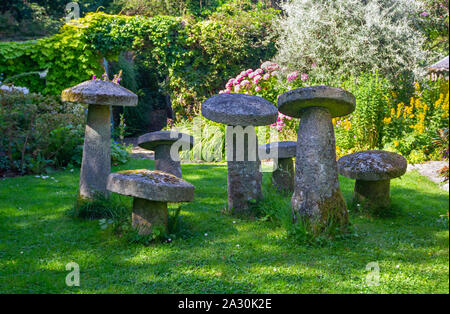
239	109
286	149
151	185
98	92
372	165
153	139
338	101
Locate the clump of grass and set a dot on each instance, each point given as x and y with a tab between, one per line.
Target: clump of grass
276	207
99	207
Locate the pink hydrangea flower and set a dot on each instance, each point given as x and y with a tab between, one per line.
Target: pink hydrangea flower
304	77
257	78
237	88
252	75
245	82
266	76
249	71
292	76
258	88
424	14
259	71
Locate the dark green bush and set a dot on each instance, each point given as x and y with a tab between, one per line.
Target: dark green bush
38	132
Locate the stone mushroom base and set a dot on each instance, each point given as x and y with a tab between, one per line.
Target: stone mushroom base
372	195
164	162
283	176
317	197
149	214
244	185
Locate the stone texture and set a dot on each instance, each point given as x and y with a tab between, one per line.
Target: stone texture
282	149
96	160
164	162
147	215
373	171
338	101
239	109
152	190
372	165
283	176
372	195
98	92
151	185
317	196
153	139
282	152
161	143
244	176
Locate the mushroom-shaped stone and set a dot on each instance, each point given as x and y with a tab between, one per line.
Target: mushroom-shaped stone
166	145
151	190
241	113
317	197
281	153
96	161
373	171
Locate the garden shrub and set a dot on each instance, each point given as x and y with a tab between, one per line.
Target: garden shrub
334	39
197	56
38	132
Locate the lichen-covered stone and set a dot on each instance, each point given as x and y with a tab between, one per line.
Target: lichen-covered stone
373	195
153	139
317	196
244	186
162	142
151	185
278	150
283	176
372	165
98	92
239	109
165	163
338	101
148	215
96	160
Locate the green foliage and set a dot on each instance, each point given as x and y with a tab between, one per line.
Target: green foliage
330	39
196	56
100	207
120	153
38	132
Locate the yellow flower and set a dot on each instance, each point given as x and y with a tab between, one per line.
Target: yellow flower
396	143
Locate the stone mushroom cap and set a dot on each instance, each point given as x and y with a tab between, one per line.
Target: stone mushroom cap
338	101
239	109
152	185
151	140
98	92
372	165
286	149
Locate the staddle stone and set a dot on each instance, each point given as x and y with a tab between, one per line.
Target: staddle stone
165	144
96	160
373	171
317	198
241	113
152	190
282	153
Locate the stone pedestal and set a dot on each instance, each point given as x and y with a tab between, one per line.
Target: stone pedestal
96	161
164	162
372	195
317	195
149	214
244	175
283	176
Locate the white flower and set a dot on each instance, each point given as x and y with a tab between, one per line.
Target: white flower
206	234
237	245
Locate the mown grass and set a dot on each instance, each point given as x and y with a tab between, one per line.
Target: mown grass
221	254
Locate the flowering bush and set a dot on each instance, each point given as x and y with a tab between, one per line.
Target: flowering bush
347	37
269	81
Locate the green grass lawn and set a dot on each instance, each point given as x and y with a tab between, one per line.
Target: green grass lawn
223	254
